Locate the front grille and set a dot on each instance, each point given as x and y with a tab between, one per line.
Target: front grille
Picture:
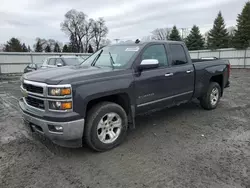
33	89
38	103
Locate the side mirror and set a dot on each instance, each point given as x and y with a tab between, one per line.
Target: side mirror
148	64
59	64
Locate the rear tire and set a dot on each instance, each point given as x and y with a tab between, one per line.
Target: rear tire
211	98
106	126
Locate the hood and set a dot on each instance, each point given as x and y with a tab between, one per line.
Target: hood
65	74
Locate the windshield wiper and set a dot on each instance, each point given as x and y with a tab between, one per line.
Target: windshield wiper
111	60
96	58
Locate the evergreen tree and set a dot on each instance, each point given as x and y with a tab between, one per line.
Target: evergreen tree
13	45
194	40
65	48
241	39
57	48
29	50
73	44
47	49
25	49
231	40
231	33
175	35
38	47
6	48
218	36
90	50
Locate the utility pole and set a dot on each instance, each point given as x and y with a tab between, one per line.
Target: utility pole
182	31
116	40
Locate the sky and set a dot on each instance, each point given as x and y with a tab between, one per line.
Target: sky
126	19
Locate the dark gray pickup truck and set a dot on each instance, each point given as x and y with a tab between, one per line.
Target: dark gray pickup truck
97	101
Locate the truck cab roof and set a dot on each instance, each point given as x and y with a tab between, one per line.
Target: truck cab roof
61	56
144	43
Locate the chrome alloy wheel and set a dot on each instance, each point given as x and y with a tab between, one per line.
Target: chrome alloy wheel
109	128
214	96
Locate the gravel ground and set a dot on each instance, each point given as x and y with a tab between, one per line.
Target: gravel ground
184	146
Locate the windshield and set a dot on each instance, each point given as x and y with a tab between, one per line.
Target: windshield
112	56
72	61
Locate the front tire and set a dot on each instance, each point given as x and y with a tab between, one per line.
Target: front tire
106	126
211	98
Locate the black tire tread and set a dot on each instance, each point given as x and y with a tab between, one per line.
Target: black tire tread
205	99
91	115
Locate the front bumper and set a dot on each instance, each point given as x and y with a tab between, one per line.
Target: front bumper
70	136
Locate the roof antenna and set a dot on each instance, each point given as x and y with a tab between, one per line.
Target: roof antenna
137	41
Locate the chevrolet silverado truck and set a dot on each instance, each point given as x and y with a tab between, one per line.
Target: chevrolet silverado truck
97	101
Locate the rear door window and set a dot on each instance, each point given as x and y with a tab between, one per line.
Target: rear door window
178	54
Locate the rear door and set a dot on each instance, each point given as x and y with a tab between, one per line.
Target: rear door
182	72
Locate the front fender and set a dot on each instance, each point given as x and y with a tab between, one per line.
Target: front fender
85	92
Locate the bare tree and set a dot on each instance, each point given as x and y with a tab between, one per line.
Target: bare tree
148	38
83	32
42	42
74	25
105	42
73	45
161	33
231	30
52	43
99	31
89	34
1	47
206	38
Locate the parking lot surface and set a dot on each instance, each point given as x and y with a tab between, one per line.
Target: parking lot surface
184	146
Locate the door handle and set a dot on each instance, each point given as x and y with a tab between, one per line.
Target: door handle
169	74
189	71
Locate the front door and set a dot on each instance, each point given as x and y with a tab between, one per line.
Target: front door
151	84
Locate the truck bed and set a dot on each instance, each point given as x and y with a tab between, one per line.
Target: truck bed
201	60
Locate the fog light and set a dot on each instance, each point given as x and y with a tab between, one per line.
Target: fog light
59	128
55	128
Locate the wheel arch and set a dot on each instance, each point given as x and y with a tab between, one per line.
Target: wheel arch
121	99
218	79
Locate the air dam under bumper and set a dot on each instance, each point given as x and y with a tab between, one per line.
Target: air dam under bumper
71	135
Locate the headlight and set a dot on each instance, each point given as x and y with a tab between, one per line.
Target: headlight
59	91
60	105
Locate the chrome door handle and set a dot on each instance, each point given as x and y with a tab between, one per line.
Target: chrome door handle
169	74
189	71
